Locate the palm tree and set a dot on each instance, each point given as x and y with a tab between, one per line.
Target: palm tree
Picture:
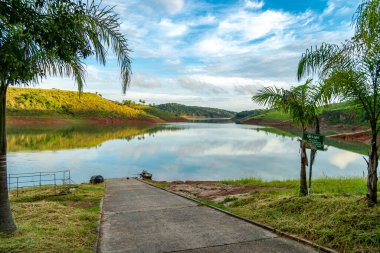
302	104
351	71
51	37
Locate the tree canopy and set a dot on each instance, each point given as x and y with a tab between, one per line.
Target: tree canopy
351	71
52	37
40	38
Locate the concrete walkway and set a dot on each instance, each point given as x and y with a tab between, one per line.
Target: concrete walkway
141	218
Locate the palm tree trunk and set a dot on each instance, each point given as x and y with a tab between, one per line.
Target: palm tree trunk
303	180
6	220
313	153
372	169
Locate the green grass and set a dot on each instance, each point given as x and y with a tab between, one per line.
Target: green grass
351	185
277	131
22	101
47	222
336	215
342	106
165	115
341	222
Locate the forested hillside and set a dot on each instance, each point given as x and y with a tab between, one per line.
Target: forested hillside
196	111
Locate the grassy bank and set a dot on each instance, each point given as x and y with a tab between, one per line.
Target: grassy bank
336	215
52	104
50	222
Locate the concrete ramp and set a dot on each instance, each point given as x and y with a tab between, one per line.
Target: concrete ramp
138	217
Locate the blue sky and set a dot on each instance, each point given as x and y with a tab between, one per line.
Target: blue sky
214	53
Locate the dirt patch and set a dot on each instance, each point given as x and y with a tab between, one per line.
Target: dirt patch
83	204
214	191
56	121
362	136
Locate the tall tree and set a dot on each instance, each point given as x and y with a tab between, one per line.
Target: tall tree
351	71
39	38
302	104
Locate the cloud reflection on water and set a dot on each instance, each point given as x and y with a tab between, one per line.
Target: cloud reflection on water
199	151
342	159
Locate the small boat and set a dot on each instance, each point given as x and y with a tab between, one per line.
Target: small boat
145	175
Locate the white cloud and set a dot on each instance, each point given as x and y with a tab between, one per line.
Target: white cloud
199	86
139	80
133	30
250	26
204	20
254	4
171	6
330	8
171	29
215	46
175	61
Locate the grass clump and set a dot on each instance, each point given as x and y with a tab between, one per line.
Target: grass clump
50	222
336	215
344	223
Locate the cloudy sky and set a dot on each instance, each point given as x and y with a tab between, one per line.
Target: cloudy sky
214	53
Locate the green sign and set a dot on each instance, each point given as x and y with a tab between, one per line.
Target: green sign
316	140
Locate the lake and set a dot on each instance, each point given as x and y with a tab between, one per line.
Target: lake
175	151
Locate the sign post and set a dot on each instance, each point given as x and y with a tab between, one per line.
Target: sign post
316	140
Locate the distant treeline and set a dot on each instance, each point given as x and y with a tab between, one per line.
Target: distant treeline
196	111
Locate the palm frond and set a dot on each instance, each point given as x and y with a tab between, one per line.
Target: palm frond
107	26
272	97
313	60
367	23
300	102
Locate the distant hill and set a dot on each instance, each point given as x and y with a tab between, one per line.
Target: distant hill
337	113
195	111
69	104
251	113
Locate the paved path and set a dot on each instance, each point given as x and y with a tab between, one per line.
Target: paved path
141	218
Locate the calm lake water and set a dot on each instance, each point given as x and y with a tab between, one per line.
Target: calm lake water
178	151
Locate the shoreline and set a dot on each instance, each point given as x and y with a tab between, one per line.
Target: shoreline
54	120
347	133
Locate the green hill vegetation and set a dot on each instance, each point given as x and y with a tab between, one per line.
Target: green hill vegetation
71	104
195	111
337	113
251	113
